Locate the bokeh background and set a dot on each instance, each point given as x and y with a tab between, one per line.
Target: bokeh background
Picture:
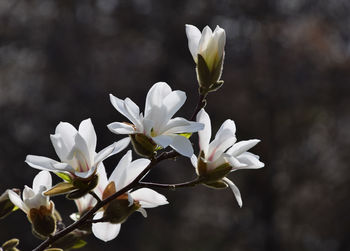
286	73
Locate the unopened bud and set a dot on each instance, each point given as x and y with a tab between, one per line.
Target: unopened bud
143	145
209	77
10	245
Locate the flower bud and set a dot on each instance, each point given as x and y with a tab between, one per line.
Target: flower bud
73	240
43	221
212	178
10	245
143	145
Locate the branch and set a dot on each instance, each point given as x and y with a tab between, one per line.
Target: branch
170	186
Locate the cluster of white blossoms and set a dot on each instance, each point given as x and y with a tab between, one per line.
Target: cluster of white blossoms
105	203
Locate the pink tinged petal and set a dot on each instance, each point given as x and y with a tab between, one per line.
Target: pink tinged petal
121	128
63	167
242	146
163	140
102	180
149	198
156	95
193	35
67	132
82	154
41	163
85	174
173	102
205	134
119	174
43	178
235	190
182	145
87	131
16	200
251	160
105	231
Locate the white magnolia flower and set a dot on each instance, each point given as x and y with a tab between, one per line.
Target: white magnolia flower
76	150
210	45
157	123
124	173
215	154
33	197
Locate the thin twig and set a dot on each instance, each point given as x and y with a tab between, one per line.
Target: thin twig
170	186
95	196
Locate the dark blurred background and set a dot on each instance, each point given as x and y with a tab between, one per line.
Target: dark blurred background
286	73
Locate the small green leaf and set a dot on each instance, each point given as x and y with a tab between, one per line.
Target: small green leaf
64	176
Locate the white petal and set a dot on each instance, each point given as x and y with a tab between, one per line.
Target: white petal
193	36
105	231
135	169
142	211
67	132
120	145
41	163
87	131
173	102
102	180
121	128
182	145
17	201
251	160
156	95
82	153
85	174
205	40
133	113
194	161
119	174
63	167
242	146
220	36
235	163
60	146
43	178
235	190
181	125
149	198
205	134
163	140
110	150
118	105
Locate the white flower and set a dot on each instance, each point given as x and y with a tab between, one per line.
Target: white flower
83	204
215	154
210	45
33	197
124	173
157	123
76	150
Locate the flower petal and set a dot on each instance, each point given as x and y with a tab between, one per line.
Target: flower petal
205	134
104	230
182	145
251	160
173	102
193	36
87	131
135	169
119	173
155	96
235	190
242	146
17	201
163	140
204	40
149	198
133	113
118	105
181	125
60	146
43	178
67	133
121	128
41	163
